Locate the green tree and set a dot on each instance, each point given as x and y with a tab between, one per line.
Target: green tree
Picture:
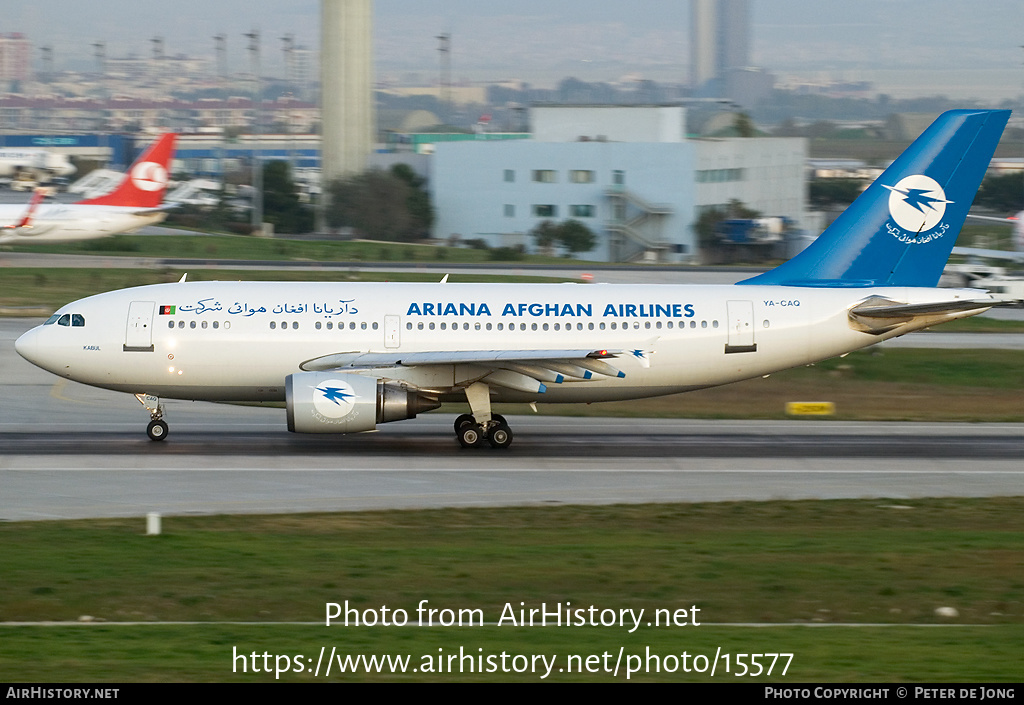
545	235
707	224
744	126
575	237
1002	193
705	227
571	235
281	204
418	200
376	203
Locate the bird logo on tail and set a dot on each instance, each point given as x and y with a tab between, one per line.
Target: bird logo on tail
917	204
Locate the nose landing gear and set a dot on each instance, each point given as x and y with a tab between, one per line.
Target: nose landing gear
158	428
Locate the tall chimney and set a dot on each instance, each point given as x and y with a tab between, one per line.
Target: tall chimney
346	87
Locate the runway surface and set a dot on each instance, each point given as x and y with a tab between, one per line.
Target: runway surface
70	451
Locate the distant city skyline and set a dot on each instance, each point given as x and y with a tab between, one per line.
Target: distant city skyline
907	49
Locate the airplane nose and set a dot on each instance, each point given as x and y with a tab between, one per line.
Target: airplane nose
27	345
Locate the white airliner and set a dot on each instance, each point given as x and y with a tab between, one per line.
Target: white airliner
134	203
1014	255
344	357
37	163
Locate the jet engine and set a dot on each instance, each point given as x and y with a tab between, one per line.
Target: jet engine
330	402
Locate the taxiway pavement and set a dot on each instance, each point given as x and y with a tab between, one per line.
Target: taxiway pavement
71	451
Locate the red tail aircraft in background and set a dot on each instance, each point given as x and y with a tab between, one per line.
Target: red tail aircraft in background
136	202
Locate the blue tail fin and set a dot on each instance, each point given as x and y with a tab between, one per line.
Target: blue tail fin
900	231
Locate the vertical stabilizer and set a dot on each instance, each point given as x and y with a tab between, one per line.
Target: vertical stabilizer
900	231
145	183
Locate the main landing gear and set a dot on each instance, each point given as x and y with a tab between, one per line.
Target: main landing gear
157	429
480	427
474	435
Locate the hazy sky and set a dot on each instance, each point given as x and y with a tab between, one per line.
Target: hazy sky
907	47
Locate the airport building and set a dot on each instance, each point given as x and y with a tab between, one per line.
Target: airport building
117	151
629	173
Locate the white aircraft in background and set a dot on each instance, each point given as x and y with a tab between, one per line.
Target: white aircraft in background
136	202
344	357
978	272
1014	255
37	163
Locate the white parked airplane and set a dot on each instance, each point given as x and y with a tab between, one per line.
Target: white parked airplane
134	203
1014	255
344	357
38	163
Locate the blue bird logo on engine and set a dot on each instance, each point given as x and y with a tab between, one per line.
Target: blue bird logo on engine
334	398
335	394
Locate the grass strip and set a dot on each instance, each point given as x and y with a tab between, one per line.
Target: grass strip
789	563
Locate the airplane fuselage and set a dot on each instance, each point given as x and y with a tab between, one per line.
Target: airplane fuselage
236	341
58	222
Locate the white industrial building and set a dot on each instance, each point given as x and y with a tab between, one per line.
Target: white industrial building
628	172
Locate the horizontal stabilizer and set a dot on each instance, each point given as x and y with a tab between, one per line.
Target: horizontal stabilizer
879	315
897	310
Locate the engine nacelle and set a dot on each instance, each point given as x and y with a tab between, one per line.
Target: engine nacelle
331	402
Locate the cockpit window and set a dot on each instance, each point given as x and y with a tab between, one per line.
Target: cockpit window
75	320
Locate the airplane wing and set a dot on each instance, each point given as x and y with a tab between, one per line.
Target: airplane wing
524	370
994	219
1016	255
989	254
